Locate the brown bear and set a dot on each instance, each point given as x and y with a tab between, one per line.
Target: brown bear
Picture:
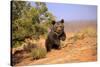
55	35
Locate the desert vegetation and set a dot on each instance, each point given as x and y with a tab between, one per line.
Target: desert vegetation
38	53
29	21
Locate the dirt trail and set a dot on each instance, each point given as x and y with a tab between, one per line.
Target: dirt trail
81	51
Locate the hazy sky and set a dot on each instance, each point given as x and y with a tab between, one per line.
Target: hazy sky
71	12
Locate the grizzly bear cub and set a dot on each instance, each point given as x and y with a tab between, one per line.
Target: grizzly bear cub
55	35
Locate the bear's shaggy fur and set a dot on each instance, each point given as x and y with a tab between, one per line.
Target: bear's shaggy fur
55	35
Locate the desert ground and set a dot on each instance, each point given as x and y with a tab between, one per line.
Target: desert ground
79	46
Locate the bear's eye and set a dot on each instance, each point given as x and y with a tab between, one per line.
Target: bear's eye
61	26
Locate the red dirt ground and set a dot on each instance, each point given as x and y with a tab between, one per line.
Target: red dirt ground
84	50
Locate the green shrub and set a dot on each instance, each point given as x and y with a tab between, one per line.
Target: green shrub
26	21
38	53
16	43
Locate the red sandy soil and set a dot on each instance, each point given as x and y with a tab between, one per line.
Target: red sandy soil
83	50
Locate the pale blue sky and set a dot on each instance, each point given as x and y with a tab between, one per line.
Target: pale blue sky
71	12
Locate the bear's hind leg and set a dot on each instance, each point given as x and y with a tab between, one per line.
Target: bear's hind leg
48	47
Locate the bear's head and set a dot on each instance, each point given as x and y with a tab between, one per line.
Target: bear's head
58	27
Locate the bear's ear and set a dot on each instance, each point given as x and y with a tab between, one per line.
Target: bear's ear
62	20
53	22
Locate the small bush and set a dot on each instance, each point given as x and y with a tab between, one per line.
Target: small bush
16	44
38	53
86	32
90	32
